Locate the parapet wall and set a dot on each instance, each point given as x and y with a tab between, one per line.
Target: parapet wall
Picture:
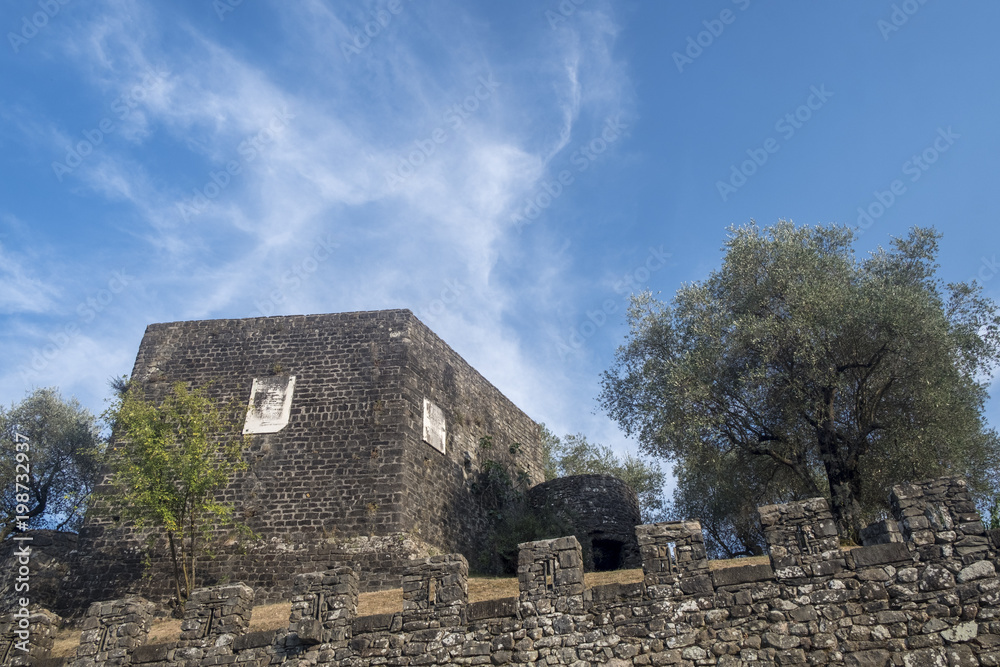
932	600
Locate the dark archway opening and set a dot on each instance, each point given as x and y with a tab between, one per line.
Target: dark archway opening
607	554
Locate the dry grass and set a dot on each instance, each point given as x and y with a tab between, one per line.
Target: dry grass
381	602
737	562
275	616
270	616
65	644
165	630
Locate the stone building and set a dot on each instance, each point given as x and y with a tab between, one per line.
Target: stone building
603	511
363	432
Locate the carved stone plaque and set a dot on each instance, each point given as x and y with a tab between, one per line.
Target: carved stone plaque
435	428
270	404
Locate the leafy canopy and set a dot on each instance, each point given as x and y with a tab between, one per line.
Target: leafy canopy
500	490
167	461
833	376
575	455
59	440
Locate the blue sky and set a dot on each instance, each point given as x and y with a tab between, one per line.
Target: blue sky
508	171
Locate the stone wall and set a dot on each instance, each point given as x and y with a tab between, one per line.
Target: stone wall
49	560
348	480
269	564
26	637
881	532
437	504
933	601
113	630
603	511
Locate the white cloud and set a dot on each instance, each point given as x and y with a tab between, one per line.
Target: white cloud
320	176
20	290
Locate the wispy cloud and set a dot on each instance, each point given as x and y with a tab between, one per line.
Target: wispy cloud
20	290
225	226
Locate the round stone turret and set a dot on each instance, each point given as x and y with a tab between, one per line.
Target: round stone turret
603	511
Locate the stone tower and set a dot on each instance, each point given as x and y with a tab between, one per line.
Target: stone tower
363	429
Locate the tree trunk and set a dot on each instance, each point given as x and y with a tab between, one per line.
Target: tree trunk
41	498
841	472
844	492
184	563
194	555
177	576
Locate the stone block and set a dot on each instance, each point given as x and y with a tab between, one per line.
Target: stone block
881	532
880	554
436	590
800	536
544	582
213	612
671	550
935	511
113	630
324	606
42	626
734	576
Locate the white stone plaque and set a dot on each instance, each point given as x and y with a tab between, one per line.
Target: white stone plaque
435	428
270	404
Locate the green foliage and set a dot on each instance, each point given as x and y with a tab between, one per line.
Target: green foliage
575	455
59	470
499	557
550	460
723	491
501	483
992	518
167	461
820	373
501	493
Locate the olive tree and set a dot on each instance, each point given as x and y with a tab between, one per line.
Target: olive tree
48	452
840	376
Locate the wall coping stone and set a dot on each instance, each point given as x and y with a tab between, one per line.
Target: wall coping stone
374	622
880	554
498	608
615	592
153	652
256	639
743	574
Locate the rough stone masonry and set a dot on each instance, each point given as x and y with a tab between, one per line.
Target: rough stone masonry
932	600
364	431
